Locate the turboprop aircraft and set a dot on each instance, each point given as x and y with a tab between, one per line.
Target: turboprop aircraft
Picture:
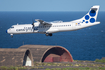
48	28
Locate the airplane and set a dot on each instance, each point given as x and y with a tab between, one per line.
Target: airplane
48	28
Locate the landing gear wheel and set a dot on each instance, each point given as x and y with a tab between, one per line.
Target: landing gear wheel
48	34
11	36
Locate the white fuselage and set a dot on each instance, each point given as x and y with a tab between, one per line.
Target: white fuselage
55	27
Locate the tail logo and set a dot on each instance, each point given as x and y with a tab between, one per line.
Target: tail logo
87	17
90	17
92	13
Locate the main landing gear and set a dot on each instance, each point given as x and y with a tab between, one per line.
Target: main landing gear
48	34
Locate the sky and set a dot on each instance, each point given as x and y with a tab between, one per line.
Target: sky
50	5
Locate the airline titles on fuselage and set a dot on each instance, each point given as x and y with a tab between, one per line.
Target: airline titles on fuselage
25	29
36	28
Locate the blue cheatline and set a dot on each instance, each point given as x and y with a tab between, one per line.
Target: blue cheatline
86	21
92	13
87	17
92	20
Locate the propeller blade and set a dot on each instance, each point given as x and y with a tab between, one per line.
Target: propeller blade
33	25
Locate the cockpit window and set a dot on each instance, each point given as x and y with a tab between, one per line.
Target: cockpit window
12	27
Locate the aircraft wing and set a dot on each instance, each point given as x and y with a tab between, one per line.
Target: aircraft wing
43	22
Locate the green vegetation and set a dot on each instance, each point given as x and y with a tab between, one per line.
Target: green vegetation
80	68
101	60
12	68
67	68
76	65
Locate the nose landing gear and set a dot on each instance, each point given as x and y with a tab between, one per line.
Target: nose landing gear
48	34
11	35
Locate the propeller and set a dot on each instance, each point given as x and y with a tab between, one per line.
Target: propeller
33	25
